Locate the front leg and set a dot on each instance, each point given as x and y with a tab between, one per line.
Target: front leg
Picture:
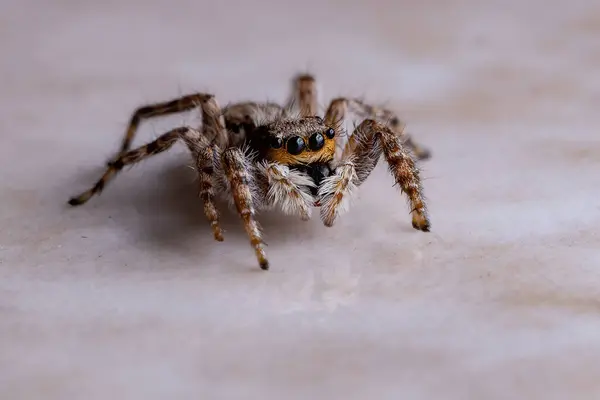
206	164
239	177
369	141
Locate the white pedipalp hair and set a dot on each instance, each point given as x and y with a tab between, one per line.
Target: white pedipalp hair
287	189
336	191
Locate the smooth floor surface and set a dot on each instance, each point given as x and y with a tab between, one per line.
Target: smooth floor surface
129	297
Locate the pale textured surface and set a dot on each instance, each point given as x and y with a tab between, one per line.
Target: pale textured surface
129	297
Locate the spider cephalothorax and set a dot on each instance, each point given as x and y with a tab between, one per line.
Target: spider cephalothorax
306	145
295	141
263	155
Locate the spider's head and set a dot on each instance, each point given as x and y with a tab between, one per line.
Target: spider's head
297	141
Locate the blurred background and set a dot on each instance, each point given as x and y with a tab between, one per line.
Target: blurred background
130	297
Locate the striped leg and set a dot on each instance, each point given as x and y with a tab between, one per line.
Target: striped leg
211	113
369	141
207	163
192	137
340	107
237	172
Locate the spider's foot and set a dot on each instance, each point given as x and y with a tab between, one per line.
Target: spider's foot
262	258
217	232
79	200
421	222
264	265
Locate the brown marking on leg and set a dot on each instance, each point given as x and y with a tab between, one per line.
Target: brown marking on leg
206	172
403	168
212	120
163	143
238	174
184	103
366	145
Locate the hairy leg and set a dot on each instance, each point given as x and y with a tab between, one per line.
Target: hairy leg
238	174
288	189
207	162
370	140
191	137
305	96
211	116
339	108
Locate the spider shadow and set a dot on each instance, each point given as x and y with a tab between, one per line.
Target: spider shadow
163	209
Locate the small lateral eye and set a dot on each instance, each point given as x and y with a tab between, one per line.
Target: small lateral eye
316	141
276	142
295	145
330	133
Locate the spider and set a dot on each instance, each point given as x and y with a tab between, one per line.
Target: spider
260	156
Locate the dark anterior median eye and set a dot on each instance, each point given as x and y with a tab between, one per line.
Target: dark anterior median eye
330	133
295	145
316	141
276	142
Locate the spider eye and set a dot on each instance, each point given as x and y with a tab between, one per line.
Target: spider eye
295	145
316	141
276	142
330	133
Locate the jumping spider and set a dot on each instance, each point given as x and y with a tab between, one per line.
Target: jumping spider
263	155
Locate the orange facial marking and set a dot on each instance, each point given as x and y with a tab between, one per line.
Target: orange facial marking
283	156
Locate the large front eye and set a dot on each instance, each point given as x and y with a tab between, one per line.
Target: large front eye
316	142
295	145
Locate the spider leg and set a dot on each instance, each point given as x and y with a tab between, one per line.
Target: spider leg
206	164
304	96
371	139
211	113
238	174
192	137
287	189
339	108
